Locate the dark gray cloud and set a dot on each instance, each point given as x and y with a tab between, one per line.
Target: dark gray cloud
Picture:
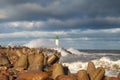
17	2
41	9
65	14
57	24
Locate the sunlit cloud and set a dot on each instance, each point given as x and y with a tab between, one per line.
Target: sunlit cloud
60	33
31	34
26	24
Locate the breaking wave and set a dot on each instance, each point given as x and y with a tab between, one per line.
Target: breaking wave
77	60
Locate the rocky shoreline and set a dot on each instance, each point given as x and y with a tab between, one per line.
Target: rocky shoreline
23	63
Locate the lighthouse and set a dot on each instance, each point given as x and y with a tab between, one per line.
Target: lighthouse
57	41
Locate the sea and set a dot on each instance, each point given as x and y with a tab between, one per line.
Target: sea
77	59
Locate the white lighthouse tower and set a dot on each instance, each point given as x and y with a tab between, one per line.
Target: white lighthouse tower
57	41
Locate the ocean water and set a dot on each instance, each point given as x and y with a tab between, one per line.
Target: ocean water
78	59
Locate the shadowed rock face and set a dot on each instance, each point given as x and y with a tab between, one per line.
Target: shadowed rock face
22	63
4	60
57	70
118	75
37	63
82	75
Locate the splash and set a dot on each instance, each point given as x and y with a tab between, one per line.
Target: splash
40	43
112	67
77	60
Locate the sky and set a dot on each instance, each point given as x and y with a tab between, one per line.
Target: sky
80	24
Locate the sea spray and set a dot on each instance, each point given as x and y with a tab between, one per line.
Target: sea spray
112	67
77	60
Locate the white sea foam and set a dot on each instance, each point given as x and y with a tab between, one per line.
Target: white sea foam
76	52
75	62
112	67
63	51
40	43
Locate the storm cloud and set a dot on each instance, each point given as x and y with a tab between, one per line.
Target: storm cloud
84	10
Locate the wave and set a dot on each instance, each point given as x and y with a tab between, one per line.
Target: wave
63	51
76	52
40	43
112	67
70	51
77	60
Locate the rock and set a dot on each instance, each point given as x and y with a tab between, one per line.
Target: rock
45	59
22	63
106	78
49	70
57	70
66	70
31	59
91	69
82	75
118	75
13	55
24	50
3	68
4	60
18	53
51	59
98	74
37	64
38	51
114	78
4	77
33	76
65	77
26	63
